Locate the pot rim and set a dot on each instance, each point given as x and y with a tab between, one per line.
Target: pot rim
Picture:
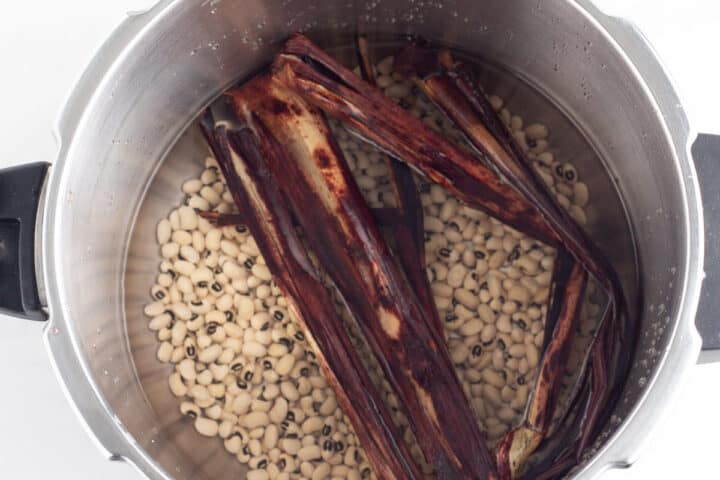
620	451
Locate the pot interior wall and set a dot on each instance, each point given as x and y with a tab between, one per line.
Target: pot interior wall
120	178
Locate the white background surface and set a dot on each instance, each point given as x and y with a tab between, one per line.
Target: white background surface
44	45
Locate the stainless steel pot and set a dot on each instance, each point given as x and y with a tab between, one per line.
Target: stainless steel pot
92	247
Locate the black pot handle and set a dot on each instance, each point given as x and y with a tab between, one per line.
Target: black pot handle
20	190
706	153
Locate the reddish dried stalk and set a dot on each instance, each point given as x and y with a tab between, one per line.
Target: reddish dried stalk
402	336
405	229
223	219
390	127
513	451
241	156
346	97
466	105
463	101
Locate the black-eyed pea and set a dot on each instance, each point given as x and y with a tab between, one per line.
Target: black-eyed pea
498	359
491	393
516	123
462	313
505	116
216	390
506	414
458	354
517	335
532	355
204	378
496	304
206	426
177	355
578	214
174	220
214	412
177	387
472	375
434	224
456	275
523	366
521	395
581	194
186	368
493	378
546	177
496	102
518	294
507	394
509	308
537	146
328	406
467	298
160	321
494	285
530	284
289	391
454	236
517	351
541	295
503	323
233	443
226	356
564	189
472	326
563	200
494	243
219	372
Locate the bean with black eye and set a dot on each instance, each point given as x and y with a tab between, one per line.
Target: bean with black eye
569	173
520	323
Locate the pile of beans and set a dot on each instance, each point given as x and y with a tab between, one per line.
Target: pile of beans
242	368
